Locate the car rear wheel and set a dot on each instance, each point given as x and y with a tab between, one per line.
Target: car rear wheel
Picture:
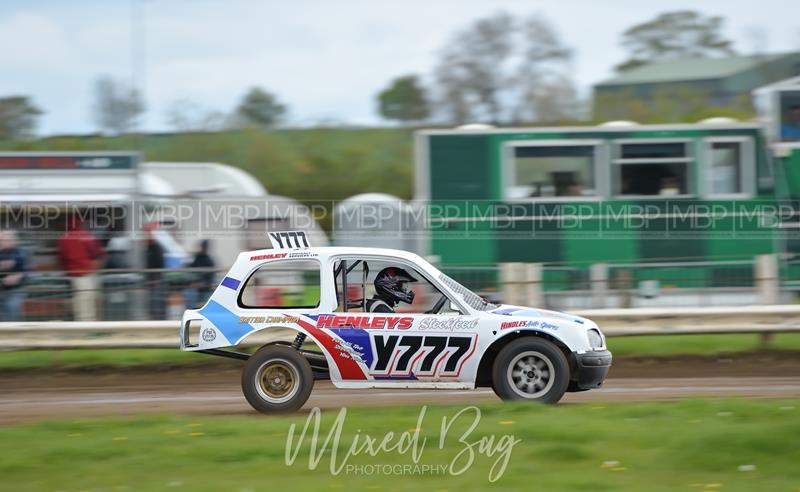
277	379
530	369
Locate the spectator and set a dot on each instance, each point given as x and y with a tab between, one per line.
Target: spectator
669	186
13	268
117	248
81	256
790	129
154	260
202	282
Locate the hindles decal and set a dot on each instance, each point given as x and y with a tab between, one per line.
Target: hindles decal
365	322
505	325
516	324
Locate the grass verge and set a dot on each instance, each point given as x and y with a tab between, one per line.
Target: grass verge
688	445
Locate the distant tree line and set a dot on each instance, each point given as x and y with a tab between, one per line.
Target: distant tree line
500	69
504	70
117	107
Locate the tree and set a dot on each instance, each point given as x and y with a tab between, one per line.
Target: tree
672	35
260	108
185	116
18	117
488	71
552	100
404	100
547	94
470	72
116	106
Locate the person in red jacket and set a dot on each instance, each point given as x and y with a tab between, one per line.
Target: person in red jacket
81	256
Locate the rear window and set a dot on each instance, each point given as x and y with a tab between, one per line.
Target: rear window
282	285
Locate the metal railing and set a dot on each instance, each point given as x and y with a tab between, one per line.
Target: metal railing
764	320
141	295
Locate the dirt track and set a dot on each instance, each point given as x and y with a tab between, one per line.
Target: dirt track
214	390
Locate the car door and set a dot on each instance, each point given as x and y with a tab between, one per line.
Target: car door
411	344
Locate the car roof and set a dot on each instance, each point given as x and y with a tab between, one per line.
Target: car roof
329	251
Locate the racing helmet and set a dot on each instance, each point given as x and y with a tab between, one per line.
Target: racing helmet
390	284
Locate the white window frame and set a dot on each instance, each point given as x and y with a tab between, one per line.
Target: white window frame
284	263
616	161
509	169
408	264
747	169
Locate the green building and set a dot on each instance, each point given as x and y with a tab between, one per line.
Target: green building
701	201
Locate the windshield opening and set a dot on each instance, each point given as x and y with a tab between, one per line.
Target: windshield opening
472	299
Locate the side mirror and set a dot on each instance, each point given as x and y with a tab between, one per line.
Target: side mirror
454	307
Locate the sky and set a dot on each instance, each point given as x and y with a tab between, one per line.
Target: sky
326	59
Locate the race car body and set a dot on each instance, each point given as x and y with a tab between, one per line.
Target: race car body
447	337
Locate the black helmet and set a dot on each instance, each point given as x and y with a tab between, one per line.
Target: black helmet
390	284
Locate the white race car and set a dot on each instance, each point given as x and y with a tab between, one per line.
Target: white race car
435	333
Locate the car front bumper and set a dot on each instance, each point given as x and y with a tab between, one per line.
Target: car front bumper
591	368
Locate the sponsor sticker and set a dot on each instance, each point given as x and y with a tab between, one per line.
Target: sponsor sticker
270	256
209	334
365	322
267	319
505	325
303	254
449	324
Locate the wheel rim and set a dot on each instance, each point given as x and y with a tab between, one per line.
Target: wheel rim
277	381
530	374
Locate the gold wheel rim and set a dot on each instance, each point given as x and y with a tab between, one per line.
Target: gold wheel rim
277	381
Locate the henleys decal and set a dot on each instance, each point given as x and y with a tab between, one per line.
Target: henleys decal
365	322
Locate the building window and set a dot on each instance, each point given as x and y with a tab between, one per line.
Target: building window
731	166
652	169
547	171
726	167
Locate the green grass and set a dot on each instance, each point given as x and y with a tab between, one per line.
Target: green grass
688	445
621	346
73	358
699	344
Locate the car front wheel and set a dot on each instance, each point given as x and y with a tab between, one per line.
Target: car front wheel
530	369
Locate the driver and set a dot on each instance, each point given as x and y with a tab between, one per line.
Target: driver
390	288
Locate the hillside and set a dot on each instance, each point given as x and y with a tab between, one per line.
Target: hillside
307	164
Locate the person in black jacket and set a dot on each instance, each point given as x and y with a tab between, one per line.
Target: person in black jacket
154	262
390	288
202	281
13	270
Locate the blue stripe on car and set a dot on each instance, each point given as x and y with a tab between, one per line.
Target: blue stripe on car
230	283
225	321
505	311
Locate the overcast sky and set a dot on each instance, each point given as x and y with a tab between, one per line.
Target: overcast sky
325	58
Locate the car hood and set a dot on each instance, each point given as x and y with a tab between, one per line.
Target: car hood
529	312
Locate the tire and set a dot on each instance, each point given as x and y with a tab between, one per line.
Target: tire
530	369
290	379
